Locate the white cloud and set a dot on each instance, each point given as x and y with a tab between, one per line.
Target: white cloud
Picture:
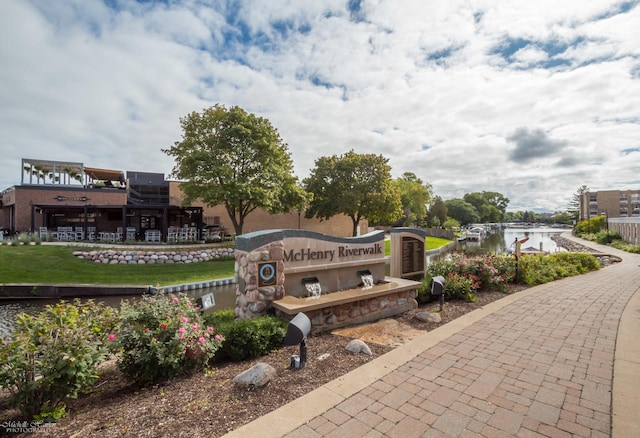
424	84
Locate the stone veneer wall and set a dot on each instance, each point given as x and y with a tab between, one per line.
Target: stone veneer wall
141	257
357	312
250	299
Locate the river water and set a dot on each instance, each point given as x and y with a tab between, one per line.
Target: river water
503	241
500	242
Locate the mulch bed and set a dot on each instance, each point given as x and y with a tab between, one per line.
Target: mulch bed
208	404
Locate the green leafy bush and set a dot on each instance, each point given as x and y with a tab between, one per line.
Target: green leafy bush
459	286
625	246
607	236
539	269
159	337
424	291
590	226
53	356
247	338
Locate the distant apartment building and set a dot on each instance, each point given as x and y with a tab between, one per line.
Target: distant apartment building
610	203
620	207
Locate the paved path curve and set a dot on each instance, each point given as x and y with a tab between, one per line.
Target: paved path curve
539	363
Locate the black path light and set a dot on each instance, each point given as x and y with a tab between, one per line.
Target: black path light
297	331
438	285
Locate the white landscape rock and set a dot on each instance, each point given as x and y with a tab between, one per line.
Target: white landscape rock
258	375
357	346
428	317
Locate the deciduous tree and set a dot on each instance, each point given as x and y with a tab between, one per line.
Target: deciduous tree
462	211
357	185
414	195
234	158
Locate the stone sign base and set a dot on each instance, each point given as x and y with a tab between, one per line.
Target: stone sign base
353	306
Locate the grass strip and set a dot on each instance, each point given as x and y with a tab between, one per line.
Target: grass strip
57	265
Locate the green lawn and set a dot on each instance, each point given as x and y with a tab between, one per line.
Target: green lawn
431	243
57	265
435	243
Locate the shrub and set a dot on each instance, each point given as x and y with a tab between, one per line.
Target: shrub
159	337
459	286
539	269
607	236
424	292
247	338
625	246
53	356
484	271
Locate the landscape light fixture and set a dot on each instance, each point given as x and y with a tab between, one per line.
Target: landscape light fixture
297	331
206	302
438	285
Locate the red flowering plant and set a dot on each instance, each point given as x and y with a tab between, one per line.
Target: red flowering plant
162	336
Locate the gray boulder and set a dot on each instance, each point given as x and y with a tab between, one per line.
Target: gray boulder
357	346
258	375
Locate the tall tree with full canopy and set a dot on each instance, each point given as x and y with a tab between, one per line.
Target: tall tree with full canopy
234	158
491	206
438	212
357	185
462	211
414	195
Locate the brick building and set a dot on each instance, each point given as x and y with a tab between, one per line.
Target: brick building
64	195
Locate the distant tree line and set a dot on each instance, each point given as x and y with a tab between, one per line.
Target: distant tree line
233	158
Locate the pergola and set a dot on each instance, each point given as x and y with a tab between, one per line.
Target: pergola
66	173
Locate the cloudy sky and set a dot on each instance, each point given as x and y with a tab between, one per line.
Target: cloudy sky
531	99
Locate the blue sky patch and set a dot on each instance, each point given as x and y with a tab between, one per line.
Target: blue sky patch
553	48
356	14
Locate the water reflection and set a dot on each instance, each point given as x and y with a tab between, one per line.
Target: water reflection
224	295
503	241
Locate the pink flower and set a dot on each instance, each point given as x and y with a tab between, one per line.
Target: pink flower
185	319
206	335
190	304
210	329
195	327
201	339
181	330
175	300
218	337
112	337
146	329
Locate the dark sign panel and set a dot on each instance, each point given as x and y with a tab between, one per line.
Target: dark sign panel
412	255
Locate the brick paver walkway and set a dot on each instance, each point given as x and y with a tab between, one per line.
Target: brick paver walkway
538	363
539	367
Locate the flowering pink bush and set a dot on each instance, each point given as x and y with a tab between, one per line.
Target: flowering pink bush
159	337
465	275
